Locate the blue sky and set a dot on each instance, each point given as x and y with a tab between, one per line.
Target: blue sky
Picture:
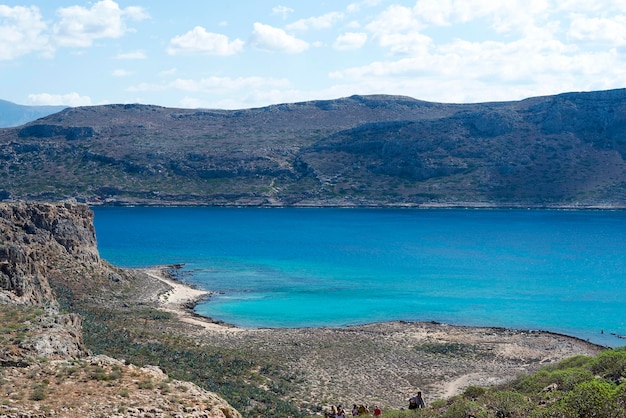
240	54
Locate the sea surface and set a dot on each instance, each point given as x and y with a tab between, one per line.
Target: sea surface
559	271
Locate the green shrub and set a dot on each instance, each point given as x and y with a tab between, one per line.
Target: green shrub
462	408
38	394
620	397
533	383
576	361
610	364
146	384
591	399
508	404
567	379
39	391
473	392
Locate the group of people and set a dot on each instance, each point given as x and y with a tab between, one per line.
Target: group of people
339	412
415	402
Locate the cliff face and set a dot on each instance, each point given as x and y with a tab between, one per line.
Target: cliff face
38	238
37	242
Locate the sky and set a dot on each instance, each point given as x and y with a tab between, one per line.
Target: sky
235	54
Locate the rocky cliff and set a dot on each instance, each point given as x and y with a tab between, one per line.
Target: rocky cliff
42	239
36	242
44	247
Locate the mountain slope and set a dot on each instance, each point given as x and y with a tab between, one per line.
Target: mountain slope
12	114
556	151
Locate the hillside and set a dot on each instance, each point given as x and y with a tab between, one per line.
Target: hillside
46	369
566	150
12	114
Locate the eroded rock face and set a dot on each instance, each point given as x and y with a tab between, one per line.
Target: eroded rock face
37	241
36	238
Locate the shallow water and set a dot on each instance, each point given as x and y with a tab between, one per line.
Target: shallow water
561	271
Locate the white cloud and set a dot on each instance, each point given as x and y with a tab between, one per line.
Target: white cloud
321	22
398	29
506	14
268	38
395	19
132	55
357	6
69	99
216	85
350	40
121	73
596	29
192	103
199	41
22	31
79	26
168	72
282	11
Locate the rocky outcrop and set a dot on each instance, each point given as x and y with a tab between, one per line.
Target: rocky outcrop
44	247
101	386
38	238
49	131
38	241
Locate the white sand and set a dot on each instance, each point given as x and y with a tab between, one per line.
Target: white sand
180	295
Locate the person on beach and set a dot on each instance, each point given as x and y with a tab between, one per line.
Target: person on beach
417	401
377	411
340	412
363	410
355	410
332	413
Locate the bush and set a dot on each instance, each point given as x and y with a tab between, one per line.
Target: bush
508	404
146	384
576	361
462	408
473	392
610	364
620	397
38	394
569	378
591	399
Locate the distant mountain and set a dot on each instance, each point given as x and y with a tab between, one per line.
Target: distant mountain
12	114
566	150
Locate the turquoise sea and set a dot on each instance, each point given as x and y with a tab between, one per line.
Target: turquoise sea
560	271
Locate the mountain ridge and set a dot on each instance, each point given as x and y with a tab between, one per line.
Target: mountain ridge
558	151
12	114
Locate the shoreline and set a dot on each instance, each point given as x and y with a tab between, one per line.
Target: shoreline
182	298
380	363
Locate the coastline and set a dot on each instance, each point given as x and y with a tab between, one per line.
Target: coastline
181	299
382	363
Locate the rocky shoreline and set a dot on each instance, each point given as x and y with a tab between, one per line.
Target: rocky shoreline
381	363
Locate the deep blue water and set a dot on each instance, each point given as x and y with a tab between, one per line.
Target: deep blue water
561	271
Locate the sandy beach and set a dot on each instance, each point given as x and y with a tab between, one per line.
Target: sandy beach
381	363
181	298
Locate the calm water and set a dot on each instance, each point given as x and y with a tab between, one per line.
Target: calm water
561	271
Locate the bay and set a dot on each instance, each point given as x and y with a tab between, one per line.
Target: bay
559	271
